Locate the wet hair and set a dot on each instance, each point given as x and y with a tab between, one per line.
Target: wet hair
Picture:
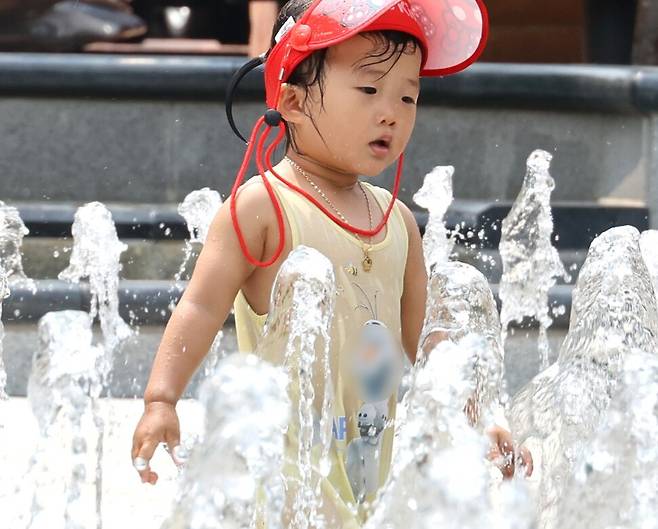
311	71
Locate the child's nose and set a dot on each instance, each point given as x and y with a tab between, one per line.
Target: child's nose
387	113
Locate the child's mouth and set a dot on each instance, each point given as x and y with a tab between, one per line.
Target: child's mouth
380	147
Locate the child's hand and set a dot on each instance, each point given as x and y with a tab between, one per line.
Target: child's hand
158	424
502	453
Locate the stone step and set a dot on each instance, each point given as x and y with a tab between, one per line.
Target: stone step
155	233
147	302
46	257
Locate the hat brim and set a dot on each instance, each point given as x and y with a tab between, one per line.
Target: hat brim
456	31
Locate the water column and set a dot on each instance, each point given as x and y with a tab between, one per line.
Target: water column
531	264
614	313
199	209
4	293
649	246
296	335
12	232
96	255
616	482
439	476
233	478
460	303
435	195
60	485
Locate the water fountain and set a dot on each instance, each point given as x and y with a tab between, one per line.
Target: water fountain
614	313
649	246
4	294
12	232
436	196
616	482
439	476
247	412
530	262
61	486
296	336
96	255
198	209
576	415
460	303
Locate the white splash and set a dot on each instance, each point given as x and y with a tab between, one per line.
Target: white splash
4	293
616	483
649	246
531	264
199	209
614	313
96	256
435	195
12	232
233	478
440	477
460	303
62	485
297	336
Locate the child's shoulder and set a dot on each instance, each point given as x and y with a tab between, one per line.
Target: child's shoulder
253	196
254	190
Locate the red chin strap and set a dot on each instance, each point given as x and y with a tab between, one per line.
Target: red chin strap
259	144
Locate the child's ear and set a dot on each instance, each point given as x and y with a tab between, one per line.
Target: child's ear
290	103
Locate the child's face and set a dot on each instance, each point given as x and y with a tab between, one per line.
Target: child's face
362	103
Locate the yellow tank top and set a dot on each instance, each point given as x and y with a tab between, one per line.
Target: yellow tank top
367	313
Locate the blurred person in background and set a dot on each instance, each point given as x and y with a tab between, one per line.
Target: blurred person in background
65	25
262	15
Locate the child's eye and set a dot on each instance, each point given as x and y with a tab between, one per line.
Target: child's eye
368	89
409	100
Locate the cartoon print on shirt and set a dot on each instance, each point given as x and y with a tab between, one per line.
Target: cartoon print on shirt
377	369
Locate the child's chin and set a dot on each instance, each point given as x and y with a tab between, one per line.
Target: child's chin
371	170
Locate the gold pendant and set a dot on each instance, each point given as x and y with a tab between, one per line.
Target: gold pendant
367	263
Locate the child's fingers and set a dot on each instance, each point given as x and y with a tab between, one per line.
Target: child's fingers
501	451
142	455
172	440
526	460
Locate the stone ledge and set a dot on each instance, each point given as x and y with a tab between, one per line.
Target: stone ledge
576	223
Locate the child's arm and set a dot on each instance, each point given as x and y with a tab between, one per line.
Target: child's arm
414	295
218	275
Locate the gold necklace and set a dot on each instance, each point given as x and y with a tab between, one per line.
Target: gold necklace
367	260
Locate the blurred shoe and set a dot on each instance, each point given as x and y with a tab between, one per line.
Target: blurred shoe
14	7
70	24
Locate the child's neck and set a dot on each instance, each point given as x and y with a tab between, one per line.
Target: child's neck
327	177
